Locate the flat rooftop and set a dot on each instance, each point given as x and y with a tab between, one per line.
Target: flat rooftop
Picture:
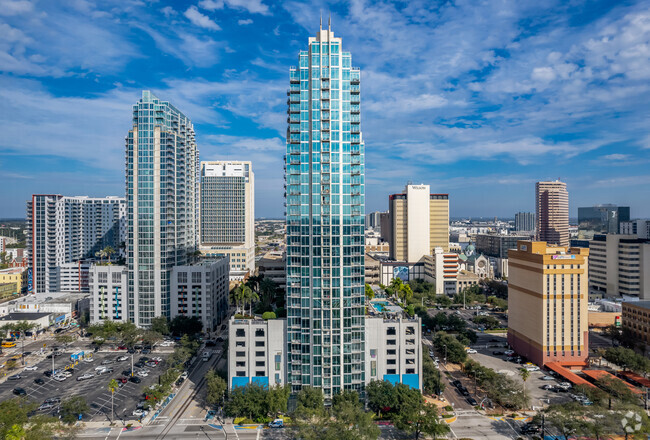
28	316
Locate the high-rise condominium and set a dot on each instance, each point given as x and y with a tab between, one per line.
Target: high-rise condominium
419	222
228	213
325	220
64	229
552	202
162	168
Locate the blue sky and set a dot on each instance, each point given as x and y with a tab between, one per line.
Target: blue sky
479	99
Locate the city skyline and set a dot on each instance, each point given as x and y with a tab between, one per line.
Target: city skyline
454	121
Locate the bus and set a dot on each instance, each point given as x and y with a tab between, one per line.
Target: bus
8	344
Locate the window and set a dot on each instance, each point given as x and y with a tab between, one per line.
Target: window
410	342
240	363
259	353
391	352
240	354
240	344
259	373
410	361
241	374
391	331
259	343
391	342
391	371
410	351
410	371
259	364
410	330
240	332
391	361
259	333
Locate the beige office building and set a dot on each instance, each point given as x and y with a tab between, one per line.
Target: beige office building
418	223
620	266
228	214
552	216
547	302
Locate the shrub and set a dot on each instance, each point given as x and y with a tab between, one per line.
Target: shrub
449	408
239	316
268	315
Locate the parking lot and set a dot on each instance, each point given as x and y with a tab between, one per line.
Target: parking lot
94	390
489	343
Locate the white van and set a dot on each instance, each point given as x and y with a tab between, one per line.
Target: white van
207	354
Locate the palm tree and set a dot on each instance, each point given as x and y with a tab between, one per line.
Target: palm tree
108	251
249	296
112	386
237	296
268	290
525	374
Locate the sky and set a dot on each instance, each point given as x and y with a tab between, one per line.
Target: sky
478	99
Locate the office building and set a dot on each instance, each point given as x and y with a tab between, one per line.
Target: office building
162	169
73	277
525	221
640	228
63	230
258	354
552	202
273	265
228	214
635	318
325	220
601	219
108	293
441	269
201	290
619	265
419	222
547	302
495	247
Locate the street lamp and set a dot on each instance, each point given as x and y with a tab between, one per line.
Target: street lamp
445	358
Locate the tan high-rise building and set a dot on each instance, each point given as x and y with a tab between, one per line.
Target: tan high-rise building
547	302
552	202
419	222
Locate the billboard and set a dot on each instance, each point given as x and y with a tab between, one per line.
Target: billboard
401	272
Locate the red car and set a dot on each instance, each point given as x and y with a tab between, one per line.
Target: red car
122	347
122	379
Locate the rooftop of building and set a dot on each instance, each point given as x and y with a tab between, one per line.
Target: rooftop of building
48	298
641	304
27	316
12	270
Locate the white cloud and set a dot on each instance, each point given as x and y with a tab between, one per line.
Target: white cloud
244	22
252	6
198	19
168	11
211	5
15	7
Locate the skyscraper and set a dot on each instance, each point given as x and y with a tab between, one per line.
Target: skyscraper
524	221
552	202
162	168
228	213
63	229
419	222
325	220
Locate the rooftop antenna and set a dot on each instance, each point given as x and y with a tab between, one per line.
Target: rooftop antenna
321	21
329	23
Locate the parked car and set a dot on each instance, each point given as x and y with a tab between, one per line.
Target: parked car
471	351
121	358
19	391
122	379
456	383
139	412
529	428
39	381
146	350
15	377
46	406
498	353
85	376
135	379
142	373
472	401
107	362
509	352
548	378
121	347
54	400
531	368
549	387
139	364
31	368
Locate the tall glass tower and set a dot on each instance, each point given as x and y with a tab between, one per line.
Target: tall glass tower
162	170
325	221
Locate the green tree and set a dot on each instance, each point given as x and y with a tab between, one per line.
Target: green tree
351	421
417	417
268	293
236	297
381	396
15	421
160	325
250	296
71	409
309	402
525	375
269	315
64	339
565	419
455	350
370	294
185	325
216	388
431	377
20	328
108	251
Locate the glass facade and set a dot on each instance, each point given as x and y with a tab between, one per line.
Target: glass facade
162	169
601	219
324	175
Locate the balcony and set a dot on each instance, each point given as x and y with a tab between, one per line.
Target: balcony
325	116
355	109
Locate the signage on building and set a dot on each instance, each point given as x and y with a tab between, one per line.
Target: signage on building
564	257
30	281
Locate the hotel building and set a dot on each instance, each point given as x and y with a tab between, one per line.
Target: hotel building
547	302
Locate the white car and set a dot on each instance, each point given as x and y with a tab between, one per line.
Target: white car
59	377
139	412
509	352
85	376
66	373
100	368
31	368
122	358
142	373
532	368
89	360
471	351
